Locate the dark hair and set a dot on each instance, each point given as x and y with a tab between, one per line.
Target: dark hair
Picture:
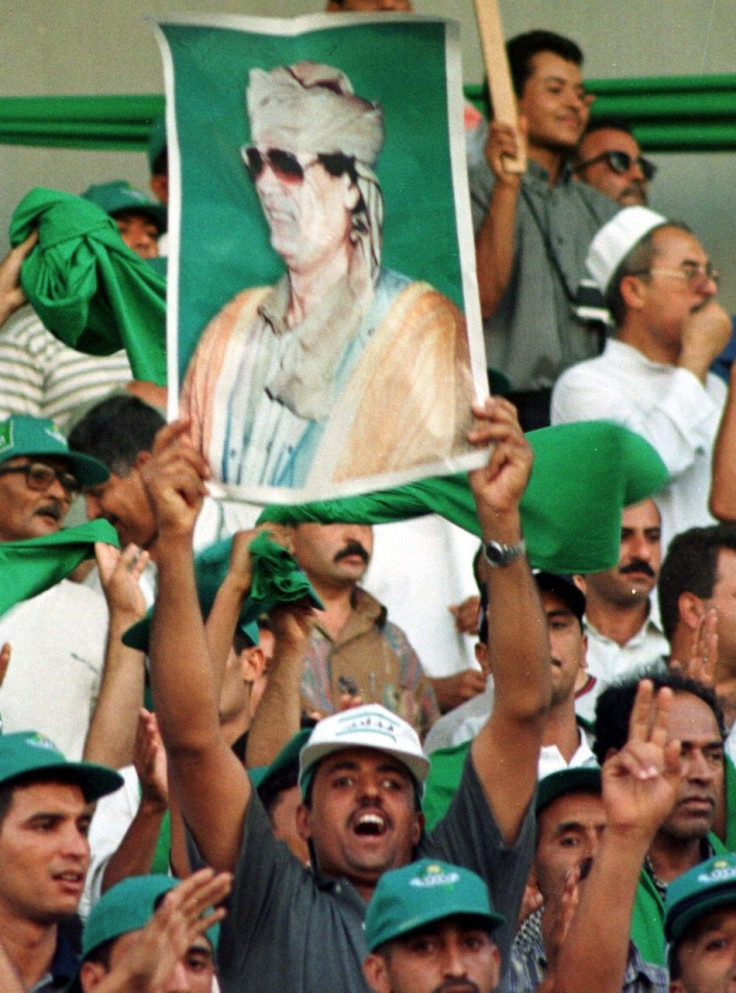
522	49
160	166
614	705
271	789
605	124
102	953
475	922
116	430
690	566
34	778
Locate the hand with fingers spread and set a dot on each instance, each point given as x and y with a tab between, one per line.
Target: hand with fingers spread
149	759
701	666
175	479
180	920
559	909
640	785
640	781
120	576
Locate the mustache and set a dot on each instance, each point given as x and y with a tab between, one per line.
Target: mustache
350	549
637	565
50	510
457	986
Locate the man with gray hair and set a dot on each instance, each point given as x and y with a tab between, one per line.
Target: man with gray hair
283	385
653	377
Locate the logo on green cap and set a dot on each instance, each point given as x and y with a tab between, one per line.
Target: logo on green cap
53	432
6	435
434	875
720	870
38	740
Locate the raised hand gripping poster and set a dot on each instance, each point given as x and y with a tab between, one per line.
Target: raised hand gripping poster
324	332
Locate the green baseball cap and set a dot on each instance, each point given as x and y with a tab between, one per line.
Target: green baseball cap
25	435
119	196
127	906
421	893
705	887
25	752
579	779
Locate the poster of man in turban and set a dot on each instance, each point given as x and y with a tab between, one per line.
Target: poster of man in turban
325	321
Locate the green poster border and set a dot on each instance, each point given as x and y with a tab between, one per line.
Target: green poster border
224	237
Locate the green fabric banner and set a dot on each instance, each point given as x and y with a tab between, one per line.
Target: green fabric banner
276	579
87	286
583	475
29	567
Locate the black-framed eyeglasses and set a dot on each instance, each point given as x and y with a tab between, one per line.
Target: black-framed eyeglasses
621	162
40	476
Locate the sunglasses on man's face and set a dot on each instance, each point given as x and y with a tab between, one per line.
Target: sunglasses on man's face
290	168
621	162
284	165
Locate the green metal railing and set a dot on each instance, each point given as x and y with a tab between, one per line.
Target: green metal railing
667	113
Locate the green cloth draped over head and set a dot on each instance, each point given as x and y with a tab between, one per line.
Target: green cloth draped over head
31	566
87	286
584	475
276	579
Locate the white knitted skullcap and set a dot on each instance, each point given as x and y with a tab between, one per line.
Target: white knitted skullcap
615	240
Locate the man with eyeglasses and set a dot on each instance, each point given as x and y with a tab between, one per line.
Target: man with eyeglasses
57	638
609	159
653	376
343	368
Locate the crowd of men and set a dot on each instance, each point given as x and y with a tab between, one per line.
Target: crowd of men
209	782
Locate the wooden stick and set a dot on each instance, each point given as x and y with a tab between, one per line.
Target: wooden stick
499	75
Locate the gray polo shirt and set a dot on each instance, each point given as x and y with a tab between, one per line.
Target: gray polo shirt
287	929
534	334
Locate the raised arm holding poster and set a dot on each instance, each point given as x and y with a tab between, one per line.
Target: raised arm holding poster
323	314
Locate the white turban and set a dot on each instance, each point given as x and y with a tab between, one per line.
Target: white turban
310	108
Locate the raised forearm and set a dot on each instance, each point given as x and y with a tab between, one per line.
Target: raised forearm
494	247
181	672
134	856
278	717
221	625
111	733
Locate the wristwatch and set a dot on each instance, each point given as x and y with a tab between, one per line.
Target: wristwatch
498	555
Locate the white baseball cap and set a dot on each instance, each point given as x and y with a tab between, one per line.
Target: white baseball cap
615	240
369	726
